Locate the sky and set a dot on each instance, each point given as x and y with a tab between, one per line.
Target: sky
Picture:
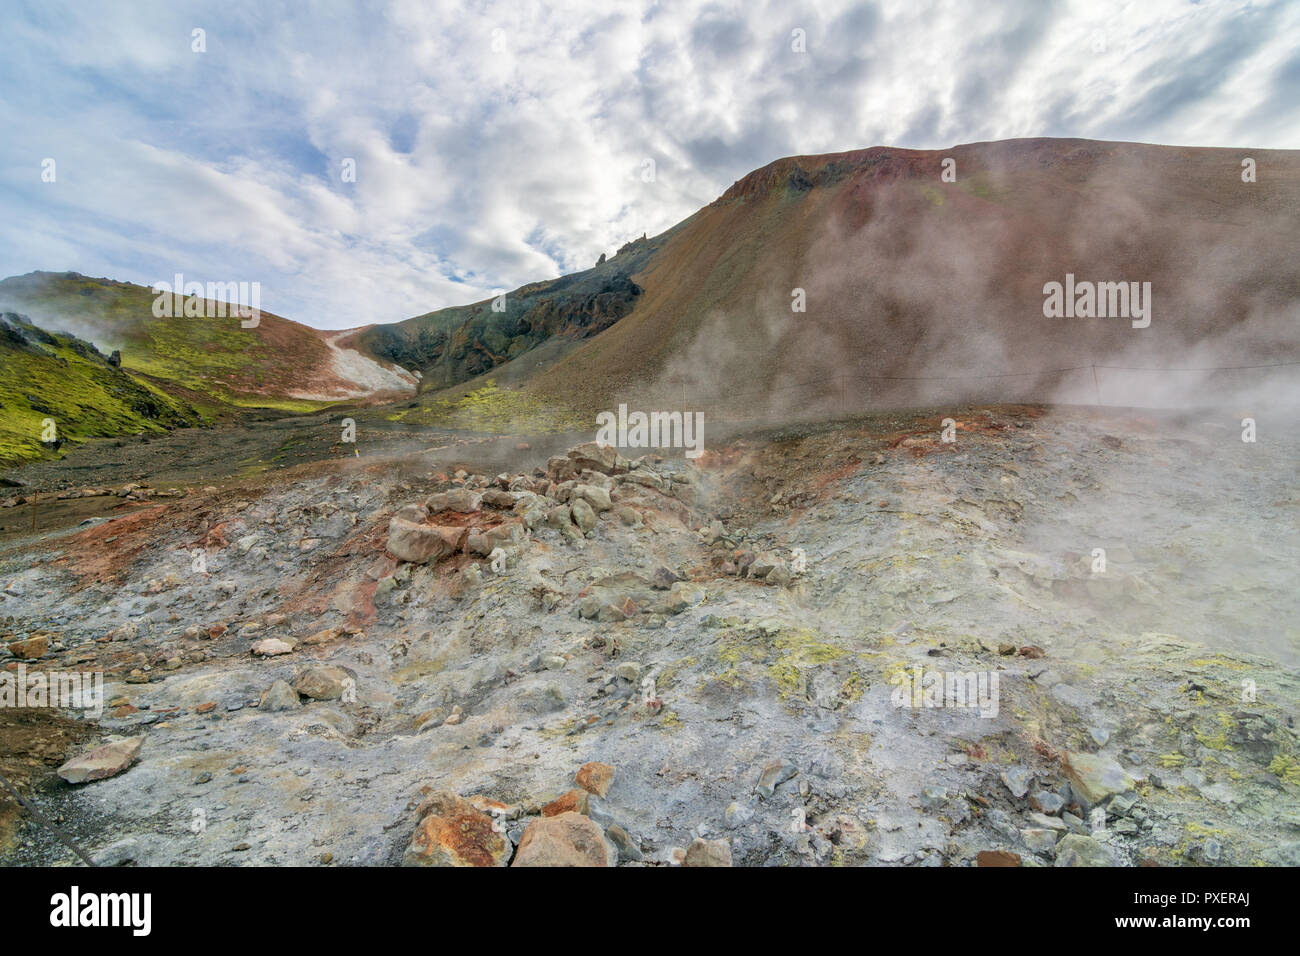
495	144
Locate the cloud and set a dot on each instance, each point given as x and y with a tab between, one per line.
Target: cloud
505	142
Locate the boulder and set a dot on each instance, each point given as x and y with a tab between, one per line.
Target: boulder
422	543
31	648
322	683
453	832
569	839
1079	850
597	498
104	761
1095	777
583	515
279	696
602	458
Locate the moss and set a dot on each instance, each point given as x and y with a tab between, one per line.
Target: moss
1286	767
1219	739
496	410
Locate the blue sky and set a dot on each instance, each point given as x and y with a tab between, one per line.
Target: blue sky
501	143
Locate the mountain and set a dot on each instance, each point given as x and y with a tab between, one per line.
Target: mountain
920	290
55	387
815	285
214	362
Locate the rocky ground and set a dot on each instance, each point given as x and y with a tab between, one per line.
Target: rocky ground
481	653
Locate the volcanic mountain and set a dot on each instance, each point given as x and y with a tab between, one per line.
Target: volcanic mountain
815	285
821	283
213	361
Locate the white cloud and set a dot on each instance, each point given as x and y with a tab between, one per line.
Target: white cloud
503	144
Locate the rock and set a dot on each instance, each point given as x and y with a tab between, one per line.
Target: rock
452	832
583	515
1094	777
1079	850
553	662
561	468
1045	822
629	671
737	815
1017	779
602	458
627	847
322	683
997	858
575	801
1039	840
104	761
271	647
279	696
422	543
568	839
496	498
703	852
31	648
597	498
1047	802
595	778
463	501
629	516
775	774
778	577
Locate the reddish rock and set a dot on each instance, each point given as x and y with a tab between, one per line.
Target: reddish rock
997	858
575	801
31	648
451	832
423	543
569	839
104	761
207	708
595	778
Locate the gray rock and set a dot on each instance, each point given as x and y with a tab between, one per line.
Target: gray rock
1078	850
279	696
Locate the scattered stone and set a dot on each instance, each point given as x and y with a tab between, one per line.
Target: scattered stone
703	852
575	801
1079	850
271	647
279	696
1017	779
1094	777
567	839
595	778
627	848
775	774
322	682
1047	802
106	760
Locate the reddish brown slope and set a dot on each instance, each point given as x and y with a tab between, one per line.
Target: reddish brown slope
908	276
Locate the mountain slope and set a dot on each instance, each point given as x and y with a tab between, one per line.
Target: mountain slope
910	277
279	363
57	378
